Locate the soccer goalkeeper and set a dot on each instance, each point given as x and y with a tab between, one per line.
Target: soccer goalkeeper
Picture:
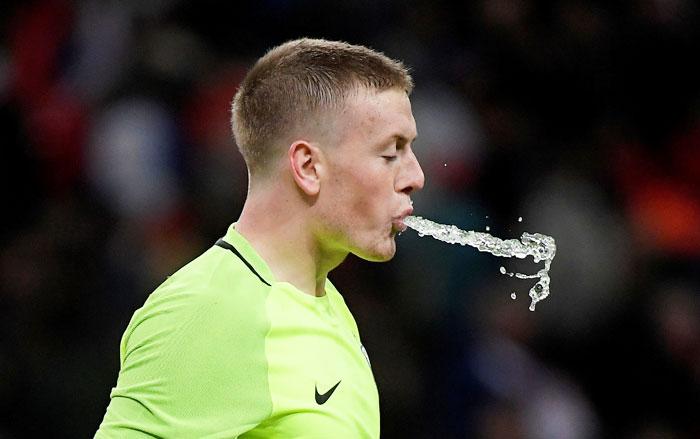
251	339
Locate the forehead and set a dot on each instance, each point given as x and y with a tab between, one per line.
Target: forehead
374	116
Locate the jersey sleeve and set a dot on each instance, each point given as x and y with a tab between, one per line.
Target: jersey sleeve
192	365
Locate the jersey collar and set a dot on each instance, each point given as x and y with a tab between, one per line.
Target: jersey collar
248	252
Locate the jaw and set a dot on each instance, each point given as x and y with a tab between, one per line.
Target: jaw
364	238
382	250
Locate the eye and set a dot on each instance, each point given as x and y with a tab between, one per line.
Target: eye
389	158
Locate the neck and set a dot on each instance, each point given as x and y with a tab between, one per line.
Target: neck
277	226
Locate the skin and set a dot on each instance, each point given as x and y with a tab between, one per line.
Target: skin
336	192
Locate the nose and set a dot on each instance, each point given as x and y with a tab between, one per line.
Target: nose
411	177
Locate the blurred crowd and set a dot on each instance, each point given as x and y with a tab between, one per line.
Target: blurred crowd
580	117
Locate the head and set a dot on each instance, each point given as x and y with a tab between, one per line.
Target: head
334	120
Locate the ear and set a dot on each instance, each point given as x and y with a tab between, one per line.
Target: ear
304	159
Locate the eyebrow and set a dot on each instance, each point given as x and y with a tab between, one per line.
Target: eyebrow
403	139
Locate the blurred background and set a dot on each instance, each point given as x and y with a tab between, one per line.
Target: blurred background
581	117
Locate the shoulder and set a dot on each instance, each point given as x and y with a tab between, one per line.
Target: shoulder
193	357
215	277
215	292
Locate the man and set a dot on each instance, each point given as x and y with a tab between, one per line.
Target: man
251	339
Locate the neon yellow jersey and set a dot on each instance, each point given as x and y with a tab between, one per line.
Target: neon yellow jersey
222	350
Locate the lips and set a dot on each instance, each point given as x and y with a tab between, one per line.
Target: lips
397	223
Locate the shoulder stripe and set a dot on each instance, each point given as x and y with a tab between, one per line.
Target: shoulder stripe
223	244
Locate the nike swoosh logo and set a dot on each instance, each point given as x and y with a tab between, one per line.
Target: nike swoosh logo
321	398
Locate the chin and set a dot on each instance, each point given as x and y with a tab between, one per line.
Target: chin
382	254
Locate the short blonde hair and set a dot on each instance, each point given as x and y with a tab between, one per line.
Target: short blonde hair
301	80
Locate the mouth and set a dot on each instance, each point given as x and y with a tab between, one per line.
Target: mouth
397	223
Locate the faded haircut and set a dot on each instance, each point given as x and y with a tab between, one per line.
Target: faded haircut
299	81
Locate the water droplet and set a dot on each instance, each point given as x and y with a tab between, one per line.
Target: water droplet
488	228
503	270
513	296
444	164
520	219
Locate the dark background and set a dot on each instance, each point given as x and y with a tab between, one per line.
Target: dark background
583	118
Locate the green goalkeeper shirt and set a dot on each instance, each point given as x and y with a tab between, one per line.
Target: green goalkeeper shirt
222	350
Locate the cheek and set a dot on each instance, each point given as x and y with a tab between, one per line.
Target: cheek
372	206
368	193
360	197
